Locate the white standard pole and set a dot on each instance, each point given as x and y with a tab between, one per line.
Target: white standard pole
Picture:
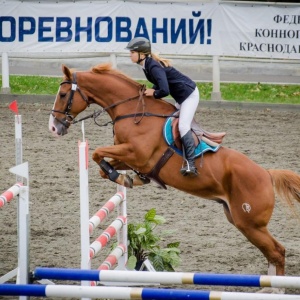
122	234
23	226
5	74
18	143
84	208
23	236
23	209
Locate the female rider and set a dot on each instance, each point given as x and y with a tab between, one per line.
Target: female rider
167	80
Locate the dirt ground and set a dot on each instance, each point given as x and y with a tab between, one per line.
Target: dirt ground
208	242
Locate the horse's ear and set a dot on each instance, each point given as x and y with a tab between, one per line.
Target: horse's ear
66	71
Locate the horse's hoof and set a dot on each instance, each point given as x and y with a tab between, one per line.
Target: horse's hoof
128	182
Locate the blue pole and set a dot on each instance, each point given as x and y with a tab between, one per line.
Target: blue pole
197	278
22	290
227	279
66	274
163	294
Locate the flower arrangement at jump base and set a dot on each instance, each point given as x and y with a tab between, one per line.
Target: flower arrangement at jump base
144	243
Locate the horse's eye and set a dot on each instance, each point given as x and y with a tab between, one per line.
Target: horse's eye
62	95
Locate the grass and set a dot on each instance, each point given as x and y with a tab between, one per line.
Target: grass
244	92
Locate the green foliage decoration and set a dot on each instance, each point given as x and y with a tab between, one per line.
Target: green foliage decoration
145	243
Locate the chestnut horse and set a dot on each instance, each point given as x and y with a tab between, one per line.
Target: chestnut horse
244	188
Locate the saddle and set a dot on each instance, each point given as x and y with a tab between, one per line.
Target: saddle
204	141
212	139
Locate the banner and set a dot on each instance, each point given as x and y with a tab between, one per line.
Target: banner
260	30
177	28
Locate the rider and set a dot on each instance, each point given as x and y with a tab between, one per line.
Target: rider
167	80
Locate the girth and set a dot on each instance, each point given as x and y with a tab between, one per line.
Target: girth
154	173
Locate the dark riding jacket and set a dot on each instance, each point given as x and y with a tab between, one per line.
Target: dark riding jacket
168	80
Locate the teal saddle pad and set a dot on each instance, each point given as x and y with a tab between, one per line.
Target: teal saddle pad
199	150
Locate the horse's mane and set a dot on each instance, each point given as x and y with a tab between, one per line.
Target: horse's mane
107	68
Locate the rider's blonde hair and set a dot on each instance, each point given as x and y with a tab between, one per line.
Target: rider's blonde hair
166	62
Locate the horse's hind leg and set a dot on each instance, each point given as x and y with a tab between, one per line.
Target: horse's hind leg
263	240
274	252
251	212
271	248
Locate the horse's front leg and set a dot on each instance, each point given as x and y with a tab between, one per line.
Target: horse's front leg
108	169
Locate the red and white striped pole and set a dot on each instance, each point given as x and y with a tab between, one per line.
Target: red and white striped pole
9	194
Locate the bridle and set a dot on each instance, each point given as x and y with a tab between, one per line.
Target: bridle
66	112
71	120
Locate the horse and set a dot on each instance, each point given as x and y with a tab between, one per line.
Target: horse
245	189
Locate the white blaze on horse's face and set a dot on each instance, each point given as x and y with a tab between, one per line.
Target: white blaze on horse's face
55	127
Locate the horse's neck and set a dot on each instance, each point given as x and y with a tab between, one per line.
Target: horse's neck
124	97
106	90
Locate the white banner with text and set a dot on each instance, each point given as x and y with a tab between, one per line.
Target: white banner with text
271	31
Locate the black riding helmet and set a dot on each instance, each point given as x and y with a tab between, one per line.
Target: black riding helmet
140	45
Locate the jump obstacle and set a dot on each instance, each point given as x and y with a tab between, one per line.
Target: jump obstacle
88	225
103	274
9	194
22	191
132	293
169	277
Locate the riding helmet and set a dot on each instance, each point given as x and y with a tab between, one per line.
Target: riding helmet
139	44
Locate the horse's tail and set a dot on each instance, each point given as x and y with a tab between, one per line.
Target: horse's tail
287	185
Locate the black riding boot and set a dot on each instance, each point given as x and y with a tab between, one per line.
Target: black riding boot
189	152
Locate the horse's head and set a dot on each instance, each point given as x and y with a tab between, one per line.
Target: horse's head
69	102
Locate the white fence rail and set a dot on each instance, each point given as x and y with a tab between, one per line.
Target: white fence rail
200	68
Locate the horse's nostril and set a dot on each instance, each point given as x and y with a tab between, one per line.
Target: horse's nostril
53	128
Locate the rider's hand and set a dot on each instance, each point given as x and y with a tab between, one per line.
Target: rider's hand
149	92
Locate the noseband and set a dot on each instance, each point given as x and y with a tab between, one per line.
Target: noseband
74	88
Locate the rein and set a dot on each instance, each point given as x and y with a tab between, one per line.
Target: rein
144	114
96	114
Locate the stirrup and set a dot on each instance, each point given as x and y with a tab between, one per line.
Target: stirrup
189	171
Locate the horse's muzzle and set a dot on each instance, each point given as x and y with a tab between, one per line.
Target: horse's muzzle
58	127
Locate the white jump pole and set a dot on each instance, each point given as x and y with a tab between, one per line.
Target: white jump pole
67	291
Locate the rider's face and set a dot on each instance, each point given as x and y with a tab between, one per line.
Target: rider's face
134	56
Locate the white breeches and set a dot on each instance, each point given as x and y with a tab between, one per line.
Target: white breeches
187	111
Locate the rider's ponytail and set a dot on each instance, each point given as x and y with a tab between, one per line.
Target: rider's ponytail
166	62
